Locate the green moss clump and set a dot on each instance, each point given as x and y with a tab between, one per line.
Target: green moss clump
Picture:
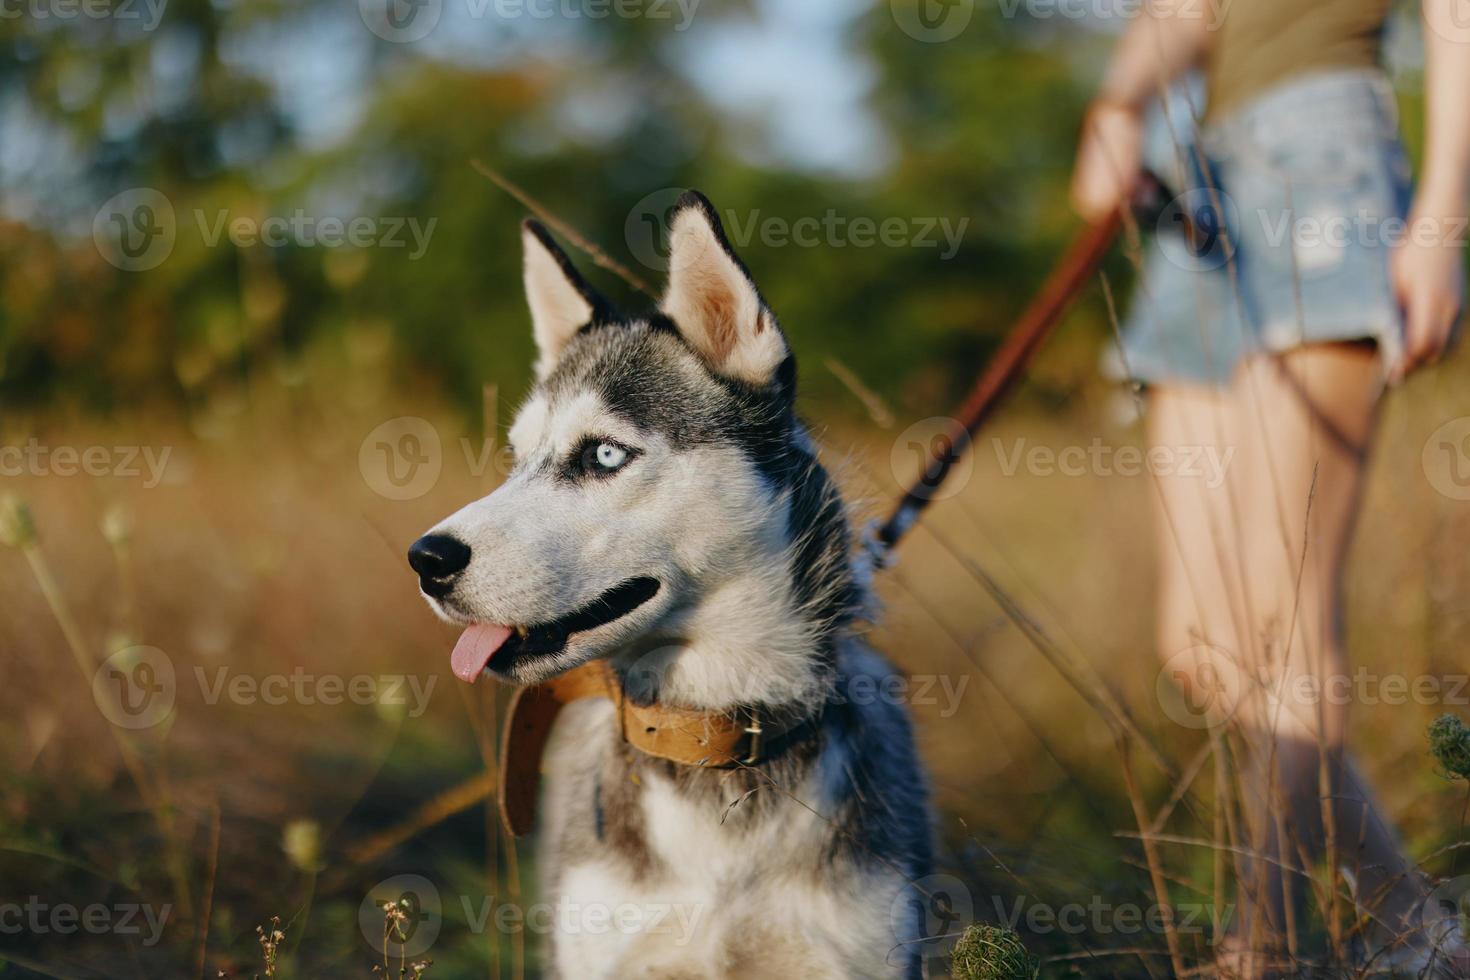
1449	742
987	952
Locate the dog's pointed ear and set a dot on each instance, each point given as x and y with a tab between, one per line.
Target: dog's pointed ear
713	300
561	301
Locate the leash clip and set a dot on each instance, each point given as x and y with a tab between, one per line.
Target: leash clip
879	556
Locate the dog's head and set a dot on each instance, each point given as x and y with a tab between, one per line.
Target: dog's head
655	463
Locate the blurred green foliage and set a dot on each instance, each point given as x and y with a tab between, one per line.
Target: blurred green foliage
1449	743
222	107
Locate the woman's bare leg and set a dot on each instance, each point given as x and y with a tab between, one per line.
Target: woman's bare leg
1250	581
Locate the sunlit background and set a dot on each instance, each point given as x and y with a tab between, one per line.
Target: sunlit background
169	172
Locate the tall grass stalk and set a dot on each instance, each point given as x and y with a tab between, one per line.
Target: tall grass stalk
20	532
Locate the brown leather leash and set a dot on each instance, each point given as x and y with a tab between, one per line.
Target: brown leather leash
1073	271
702	738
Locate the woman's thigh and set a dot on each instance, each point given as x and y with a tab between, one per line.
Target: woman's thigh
1250	563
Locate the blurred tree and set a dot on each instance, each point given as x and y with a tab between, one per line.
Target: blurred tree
248	109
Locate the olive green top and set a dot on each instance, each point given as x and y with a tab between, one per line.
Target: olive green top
1262	42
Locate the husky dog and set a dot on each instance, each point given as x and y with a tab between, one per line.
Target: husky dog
667	513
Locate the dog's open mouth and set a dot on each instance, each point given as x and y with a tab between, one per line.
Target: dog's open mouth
483	643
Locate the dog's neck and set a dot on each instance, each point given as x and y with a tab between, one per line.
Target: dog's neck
765	634
744	644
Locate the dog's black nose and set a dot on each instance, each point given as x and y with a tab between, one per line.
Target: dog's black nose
437	558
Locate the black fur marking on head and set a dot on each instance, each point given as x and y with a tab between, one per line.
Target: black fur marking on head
643	372
649	375
603	309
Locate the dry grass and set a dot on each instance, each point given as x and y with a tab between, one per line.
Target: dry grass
266	552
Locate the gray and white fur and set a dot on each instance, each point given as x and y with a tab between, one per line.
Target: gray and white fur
664	449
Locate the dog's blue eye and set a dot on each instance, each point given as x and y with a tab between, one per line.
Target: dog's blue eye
596	458
610	456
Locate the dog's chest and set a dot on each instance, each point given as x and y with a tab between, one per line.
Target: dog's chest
707	882
721	902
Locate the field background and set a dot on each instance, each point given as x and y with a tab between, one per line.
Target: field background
269	547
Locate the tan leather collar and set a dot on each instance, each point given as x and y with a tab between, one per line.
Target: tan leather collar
687	737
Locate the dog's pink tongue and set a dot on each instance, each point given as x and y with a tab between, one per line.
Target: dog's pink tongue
475	648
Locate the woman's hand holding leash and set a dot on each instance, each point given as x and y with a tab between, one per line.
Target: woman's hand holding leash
1109	160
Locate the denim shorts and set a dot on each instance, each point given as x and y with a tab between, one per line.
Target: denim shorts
1294	201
